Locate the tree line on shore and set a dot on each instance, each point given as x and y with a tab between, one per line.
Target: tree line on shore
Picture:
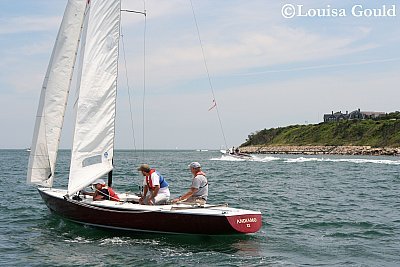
379	132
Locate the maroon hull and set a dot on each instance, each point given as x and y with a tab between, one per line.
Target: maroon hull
152	221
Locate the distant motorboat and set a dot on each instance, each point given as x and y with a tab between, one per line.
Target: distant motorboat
235	154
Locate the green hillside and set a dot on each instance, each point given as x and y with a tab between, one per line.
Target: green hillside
375	133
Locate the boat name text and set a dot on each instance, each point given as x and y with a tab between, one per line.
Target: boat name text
246	220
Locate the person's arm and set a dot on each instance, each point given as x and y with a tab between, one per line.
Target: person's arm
187	195
98	195
190	193
154	193
145	189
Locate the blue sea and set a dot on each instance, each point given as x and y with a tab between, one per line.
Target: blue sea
317	211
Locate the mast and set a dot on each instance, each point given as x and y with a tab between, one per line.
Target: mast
110	175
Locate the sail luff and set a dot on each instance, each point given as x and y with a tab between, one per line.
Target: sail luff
54	96
93	142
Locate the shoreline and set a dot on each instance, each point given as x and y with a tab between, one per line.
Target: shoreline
322	150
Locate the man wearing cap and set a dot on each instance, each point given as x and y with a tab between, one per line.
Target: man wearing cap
102	192
154	184
198	191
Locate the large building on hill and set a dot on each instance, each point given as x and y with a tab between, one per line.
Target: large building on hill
354	115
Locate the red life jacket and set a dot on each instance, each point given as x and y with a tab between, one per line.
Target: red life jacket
108	194
112	194
149	182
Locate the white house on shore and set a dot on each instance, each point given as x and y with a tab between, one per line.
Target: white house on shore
354	115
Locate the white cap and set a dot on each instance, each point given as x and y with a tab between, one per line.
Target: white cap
195	165
99	181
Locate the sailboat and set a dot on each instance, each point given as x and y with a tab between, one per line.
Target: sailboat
91	28
236	154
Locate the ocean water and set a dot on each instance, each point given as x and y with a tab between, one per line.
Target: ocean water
317	211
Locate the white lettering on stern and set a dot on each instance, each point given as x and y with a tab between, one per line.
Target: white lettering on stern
246	220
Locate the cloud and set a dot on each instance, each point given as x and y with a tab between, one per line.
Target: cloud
325	66
27	61
17	25
242	52
30	47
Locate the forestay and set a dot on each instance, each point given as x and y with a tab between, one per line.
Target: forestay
53	97
93	142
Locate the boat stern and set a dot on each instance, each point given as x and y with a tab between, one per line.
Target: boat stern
246	223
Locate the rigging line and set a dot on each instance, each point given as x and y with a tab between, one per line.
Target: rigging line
104	194
129	93
144	78
144	63
133	11
208	74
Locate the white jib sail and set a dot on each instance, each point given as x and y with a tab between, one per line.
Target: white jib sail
54	96
93	143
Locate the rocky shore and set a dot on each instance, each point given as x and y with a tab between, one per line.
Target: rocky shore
317	150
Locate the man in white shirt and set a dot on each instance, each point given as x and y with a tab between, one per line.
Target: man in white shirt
154	184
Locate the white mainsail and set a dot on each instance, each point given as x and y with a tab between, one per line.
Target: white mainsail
54	96
93	142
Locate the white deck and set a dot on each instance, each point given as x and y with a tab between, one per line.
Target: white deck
208	209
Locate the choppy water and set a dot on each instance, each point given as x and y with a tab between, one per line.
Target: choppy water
317	211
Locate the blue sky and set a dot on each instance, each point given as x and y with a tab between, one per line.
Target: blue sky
266	70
